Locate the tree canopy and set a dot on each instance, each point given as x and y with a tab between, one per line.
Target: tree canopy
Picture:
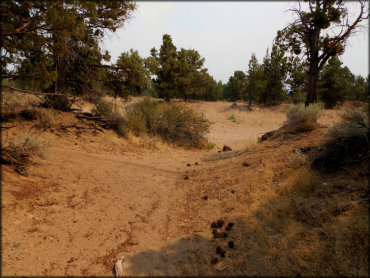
319	32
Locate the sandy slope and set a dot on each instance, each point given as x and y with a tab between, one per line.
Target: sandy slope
96	197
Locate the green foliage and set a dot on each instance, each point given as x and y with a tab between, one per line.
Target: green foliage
167	71
236	88
307	35
131	77
334	83
53	45
171	121
233	118
256	79
275	70
296	79
180	74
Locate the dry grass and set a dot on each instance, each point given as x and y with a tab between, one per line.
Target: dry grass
21	150
14	103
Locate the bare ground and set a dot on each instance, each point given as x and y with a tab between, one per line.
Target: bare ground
95	197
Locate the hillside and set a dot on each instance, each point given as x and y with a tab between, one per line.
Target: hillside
95	196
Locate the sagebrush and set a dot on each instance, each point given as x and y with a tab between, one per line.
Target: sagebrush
171	121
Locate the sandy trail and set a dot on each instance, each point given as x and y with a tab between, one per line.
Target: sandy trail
85	205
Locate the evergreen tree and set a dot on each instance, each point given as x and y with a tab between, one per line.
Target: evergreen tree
133	75
335	83
46	37
275	71
236	88
167	72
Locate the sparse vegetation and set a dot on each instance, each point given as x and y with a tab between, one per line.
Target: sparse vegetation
20	151
173	122
233	118
347	142
302	117
109	111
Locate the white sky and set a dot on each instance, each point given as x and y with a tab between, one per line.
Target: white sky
224	33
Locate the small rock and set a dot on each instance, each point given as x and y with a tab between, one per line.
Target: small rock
219	151
214	225
188	164
218	250
214	260
205	198
186	177
196	163
226	148
246	164
232	191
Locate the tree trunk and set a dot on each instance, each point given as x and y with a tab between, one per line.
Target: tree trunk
61	83
311	87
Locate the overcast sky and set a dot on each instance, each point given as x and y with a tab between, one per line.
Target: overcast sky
224	33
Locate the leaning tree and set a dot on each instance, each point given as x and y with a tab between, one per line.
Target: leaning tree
319	32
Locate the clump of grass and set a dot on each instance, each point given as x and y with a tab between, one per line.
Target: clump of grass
304	117
110	113
210	145
21	150
299	119
297	160
15	103
46	118
233	118
173	122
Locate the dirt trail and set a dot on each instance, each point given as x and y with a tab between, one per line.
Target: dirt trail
94	198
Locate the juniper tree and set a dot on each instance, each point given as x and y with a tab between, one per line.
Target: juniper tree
319	32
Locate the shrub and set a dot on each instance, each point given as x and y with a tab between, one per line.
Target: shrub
347	143
15	103
59	102
21	150
171	121
300	119
114	119
300	115
46	118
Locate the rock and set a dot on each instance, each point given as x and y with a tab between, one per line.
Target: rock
232	191
186	177
196	163
219	151
246	164
226	148
214	225
205	198
188	164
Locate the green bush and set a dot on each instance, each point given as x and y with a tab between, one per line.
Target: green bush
110	113
173	122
